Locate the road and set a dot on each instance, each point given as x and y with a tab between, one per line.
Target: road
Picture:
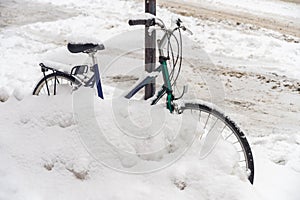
282	24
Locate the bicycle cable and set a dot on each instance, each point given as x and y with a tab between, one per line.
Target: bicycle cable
180	59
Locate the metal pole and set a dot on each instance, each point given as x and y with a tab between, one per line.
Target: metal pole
150	53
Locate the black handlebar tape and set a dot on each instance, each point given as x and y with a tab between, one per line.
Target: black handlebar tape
147	22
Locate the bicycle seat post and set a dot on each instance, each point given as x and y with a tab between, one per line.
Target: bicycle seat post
94	60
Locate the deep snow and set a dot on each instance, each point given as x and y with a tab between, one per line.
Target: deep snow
42	155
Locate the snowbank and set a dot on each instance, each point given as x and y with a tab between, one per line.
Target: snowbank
43	156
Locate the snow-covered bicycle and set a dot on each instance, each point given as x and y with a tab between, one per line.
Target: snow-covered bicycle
209	118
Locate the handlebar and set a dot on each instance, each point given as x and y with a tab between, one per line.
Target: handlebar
153	22
147	22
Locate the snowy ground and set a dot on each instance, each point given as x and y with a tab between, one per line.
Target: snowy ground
42	156
282	17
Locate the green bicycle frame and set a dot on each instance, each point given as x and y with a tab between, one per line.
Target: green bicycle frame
166	88
167	85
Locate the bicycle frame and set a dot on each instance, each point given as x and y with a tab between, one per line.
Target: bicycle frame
95	78
167	87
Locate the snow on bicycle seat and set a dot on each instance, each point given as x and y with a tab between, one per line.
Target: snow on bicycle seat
84	48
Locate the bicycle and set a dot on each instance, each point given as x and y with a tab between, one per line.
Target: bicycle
208	116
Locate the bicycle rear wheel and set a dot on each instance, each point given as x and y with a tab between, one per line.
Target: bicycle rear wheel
210	119
55	83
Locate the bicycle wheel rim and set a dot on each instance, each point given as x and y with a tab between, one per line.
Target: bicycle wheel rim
51	83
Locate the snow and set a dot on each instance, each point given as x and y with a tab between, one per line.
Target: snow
275	9
4	95
44	150
48	152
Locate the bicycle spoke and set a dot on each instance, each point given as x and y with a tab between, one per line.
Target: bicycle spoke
229	135
47	87
44	90
55	85
235	142
206	120
213	125
199	115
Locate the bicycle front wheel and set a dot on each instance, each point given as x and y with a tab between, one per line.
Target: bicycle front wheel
55	83
213	120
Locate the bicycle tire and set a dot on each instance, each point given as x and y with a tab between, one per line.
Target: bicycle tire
240	142
48	82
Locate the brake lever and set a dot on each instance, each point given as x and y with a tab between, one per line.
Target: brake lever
187	30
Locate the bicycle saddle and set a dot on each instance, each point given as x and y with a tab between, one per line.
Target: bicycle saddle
84	48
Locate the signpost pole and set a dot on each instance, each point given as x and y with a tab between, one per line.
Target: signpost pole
150	52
